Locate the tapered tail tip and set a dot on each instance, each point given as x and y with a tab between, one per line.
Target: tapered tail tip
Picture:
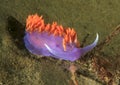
91	46
97	38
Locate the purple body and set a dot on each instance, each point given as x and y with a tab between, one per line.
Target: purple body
49	45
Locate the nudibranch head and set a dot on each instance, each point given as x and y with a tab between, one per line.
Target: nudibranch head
53	40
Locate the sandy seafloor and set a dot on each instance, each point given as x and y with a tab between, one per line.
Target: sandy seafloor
88	17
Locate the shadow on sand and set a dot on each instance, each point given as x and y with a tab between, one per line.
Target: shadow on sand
16	31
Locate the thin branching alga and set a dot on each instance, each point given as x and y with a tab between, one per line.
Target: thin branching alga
99	63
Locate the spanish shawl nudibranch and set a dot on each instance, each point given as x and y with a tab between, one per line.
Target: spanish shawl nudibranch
53	40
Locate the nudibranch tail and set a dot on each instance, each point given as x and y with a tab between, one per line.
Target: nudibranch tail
91	46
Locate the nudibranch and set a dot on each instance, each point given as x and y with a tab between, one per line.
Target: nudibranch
53	40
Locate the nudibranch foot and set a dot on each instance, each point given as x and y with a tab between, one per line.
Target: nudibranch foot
53	40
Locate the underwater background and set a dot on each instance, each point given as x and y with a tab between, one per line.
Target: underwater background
88	17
